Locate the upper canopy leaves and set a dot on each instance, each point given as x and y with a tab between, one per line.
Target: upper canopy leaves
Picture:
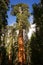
21	11
15	9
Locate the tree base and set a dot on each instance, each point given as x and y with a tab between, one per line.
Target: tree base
19	63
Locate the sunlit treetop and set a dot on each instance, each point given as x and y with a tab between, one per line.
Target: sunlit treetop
21	11
24	8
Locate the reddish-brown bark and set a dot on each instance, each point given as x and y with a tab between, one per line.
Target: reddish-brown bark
21	51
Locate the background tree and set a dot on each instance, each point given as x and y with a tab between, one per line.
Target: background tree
3	16
12	46
37	41
3	22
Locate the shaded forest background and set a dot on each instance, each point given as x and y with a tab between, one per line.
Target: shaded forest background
12	36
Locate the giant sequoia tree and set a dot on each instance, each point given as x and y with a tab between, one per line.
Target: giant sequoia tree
37	41
22	14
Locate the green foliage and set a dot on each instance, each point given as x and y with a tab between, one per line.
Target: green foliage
21	19
15	8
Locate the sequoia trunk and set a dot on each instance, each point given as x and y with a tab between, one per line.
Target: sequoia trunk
21	51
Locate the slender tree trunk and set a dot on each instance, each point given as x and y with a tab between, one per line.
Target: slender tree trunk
10	51
21	51
10	58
